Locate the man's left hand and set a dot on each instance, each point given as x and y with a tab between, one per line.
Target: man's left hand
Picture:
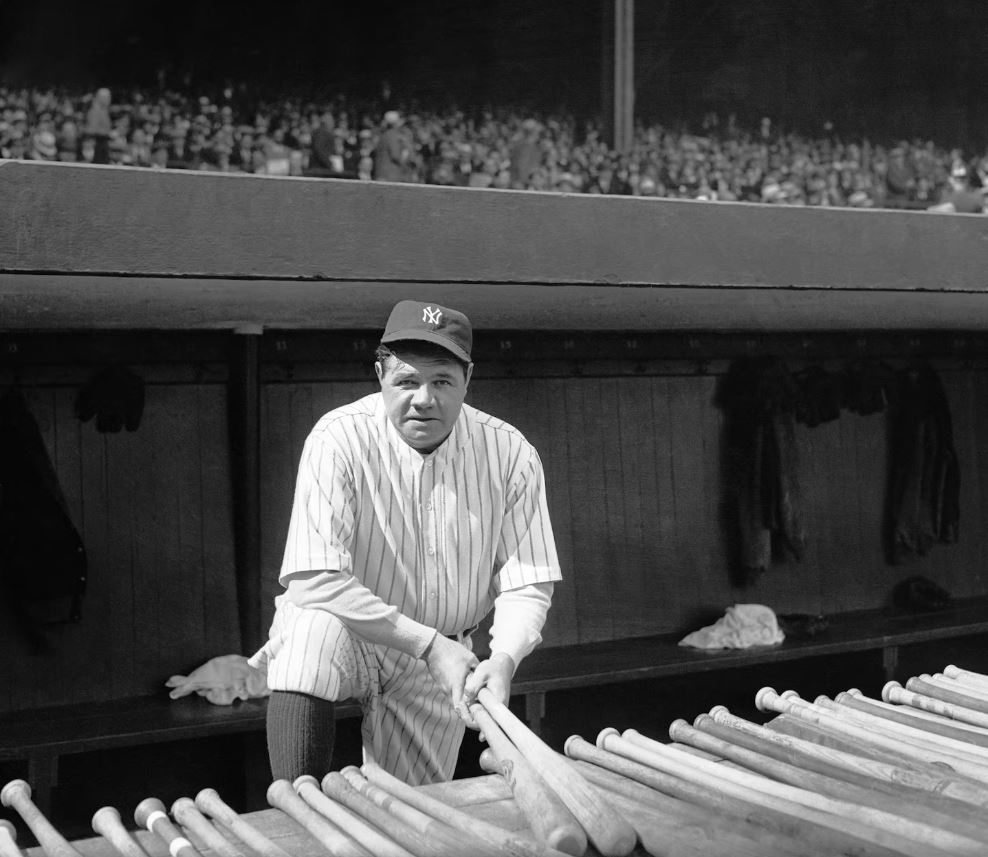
495	674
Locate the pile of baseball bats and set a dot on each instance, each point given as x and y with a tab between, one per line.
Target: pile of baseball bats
906	774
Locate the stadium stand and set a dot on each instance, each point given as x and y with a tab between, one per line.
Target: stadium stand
498	148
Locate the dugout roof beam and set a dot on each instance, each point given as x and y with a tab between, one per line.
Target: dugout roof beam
89	247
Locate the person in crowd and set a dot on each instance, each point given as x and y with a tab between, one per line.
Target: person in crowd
526	155
324	160
966	195
392	152
99	125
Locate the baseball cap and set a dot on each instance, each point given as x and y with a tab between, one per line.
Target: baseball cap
433	323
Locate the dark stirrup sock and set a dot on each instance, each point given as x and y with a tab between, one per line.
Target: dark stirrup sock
301	731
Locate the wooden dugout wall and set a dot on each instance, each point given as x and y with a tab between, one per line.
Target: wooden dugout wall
603	324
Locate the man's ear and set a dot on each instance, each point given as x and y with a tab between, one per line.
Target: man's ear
379	371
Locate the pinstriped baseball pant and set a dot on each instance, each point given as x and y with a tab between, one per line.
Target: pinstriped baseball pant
409	726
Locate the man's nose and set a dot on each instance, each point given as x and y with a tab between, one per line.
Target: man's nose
422	397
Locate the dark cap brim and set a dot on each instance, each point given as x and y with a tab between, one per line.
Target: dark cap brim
428	336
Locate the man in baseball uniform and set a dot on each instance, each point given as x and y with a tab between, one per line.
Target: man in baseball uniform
414	515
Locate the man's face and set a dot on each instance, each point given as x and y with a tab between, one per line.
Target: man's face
423	396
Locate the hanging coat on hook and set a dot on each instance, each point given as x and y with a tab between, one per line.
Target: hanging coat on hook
924	483
42	558
759	396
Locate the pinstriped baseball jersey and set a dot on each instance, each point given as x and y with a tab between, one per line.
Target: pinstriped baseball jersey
438	536
386	544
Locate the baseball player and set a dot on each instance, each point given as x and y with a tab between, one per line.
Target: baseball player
414	515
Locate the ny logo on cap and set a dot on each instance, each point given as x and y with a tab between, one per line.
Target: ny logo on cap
431	316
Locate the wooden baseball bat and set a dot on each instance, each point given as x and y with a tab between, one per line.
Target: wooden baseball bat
917	713
961	685
670	834
424	824
740	805
17	795
186	813
335	786
380	841
610	834
640	795
912	717
966	676
922	684
936	790
106	822
768	699
946	747
895	693
150	813
8	840
870	806
510	843
884	823
210	803
548	817
756	788
282	796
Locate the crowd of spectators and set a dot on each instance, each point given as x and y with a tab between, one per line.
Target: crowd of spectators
717	159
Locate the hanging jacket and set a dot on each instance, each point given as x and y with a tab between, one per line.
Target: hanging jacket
760	396
924	478
42	559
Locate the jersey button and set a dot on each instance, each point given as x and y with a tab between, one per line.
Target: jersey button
432	596
428	506
431	551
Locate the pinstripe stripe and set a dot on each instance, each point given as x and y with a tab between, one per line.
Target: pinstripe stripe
437	537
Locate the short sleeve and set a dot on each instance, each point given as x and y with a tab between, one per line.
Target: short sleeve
526	552
322	512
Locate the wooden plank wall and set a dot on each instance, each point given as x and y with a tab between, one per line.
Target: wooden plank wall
632	461
153	509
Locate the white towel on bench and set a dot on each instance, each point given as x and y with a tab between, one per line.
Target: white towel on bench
742	626
221	680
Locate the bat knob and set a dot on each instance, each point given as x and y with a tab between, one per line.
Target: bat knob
604	734
8	826
572	740
888	689
144	810
488	761
951	671
105	816
678	729
305	780
182	807
765	697
14	790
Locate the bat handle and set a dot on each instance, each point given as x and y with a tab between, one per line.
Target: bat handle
17	795
106	822
8	839
150	813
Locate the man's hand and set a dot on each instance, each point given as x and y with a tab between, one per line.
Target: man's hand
450	663
495	674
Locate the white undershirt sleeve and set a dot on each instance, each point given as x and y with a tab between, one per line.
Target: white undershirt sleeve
519	615
364	614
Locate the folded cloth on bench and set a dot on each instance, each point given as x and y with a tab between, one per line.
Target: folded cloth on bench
221	680
742	626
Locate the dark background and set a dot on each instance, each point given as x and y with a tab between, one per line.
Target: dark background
882	67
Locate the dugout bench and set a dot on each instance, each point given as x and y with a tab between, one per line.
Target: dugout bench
42	736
